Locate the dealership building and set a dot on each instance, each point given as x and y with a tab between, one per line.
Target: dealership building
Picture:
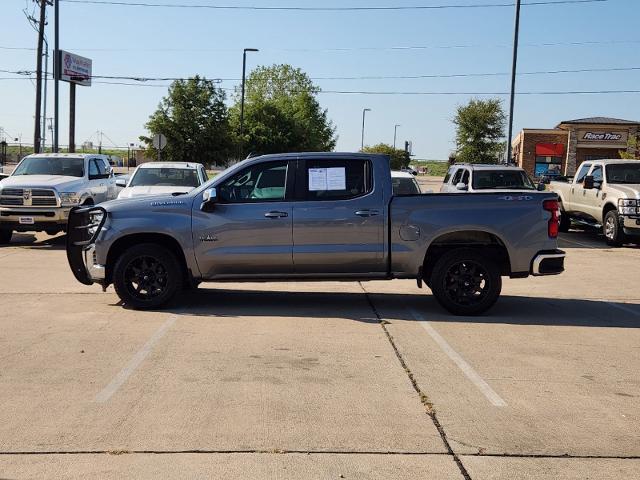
560	150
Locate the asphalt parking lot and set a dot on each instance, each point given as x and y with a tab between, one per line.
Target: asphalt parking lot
321	380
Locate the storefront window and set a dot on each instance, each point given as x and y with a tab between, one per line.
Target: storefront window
548	166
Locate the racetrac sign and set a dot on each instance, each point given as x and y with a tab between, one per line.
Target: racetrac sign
608	137
75	69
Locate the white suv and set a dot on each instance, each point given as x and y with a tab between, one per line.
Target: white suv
470	177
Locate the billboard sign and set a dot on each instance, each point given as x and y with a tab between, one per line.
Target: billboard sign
75	69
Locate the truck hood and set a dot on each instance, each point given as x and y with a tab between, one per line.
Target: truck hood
61	183
142	191
629	190
141	206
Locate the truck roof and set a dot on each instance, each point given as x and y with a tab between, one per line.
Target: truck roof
487	166
66	155
178	165
610	161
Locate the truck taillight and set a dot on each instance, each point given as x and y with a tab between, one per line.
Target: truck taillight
554	222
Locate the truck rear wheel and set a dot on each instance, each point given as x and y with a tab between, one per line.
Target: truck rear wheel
466	282
613	233
147	276
565	221
5	236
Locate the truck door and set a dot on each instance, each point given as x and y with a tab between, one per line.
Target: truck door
249	229
577	192
338	218
98	180
593	197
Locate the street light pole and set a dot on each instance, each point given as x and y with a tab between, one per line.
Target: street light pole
364	111
395	131
514	63
244	70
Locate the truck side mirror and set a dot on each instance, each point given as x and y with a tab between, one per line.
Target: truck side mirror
541	187
121	183
588	182
461	186
209	199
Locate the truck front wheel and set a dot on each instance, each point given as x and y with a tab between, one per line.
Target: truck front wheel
466	282
147	276
613	233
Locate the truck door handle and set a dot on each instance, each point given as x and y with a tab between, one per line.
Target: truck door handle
275	214
367	213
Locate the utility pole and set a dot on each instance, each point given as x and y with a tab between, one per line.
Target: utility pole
244	70
395	132
56	74
364	111
41	24
44	100
514	63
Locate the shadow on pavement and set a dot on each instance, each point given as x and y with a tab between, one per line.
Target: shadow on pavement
514	310
30	242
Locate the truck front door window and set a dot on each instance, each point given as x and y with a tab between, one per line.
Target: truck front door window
263	182
582	172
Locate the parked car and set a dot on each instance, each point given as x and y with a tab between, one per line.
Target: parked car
404	183
606	194
43	188
469	178
315	216
156	178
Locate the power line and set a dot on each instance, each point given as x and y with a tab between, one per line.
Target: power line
366	77
350	49
326	9
363	92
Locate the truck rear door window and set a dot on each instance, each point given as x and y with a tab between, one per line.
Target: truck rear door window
582	172
337	179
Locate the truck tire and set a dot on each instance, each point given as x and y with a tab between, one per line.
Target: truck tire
565	221
5	236
466	282
147	276
613	233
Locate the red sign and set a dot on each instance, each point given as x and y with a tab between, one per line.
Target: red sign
549	149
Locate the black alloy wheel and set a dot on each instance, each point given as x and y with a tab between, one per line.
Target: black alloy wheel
147	276
466	282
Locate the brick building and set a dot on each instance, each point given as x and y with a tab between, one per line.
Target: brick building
562	149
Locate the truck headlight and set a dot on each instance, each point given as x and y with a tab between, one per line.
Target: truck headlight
627	206
69	199
95	221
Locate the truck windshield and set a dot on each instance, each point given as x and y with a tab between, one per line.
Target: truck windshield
621	173
501	179
165	177
70	167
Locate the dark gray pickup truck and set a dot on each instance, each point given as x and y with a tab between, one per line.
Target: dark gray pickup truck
315	216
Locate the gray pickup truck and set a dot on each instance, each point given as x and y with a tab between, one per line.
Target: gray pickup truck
315	216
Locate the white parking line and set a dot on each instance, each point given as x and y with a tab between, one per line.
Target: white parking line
462	364
576	243
623	308
134	363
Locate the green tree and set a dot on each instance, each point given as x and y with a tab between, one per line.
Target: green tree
282	113
479	129
633	150
194	118
399	158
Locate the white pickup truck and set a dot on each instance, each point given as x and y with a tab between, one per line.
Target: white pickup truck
42	189
604	193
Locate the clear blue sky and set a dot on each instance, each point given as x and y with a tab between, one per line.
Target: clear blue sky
126	40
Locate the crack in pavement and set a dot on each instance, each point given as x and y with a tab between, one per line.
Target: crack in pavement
424	399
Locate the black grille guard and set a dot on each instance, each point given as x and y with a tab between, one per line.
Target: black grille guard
77	239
